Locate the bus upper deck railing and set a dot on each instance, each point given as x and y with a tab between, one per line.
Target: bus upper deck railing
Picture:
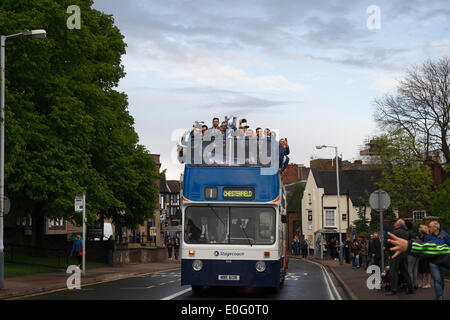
231	151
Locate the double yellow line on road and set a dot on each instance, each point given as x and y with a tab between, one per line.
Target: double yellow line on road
328	281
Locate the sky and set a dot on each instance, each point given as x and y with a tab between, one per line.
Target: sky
310	69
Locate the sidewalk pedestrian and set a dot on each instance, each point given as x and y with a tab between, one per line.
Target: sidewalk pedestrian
111	249
177	246
355	251
424	269
413	261
77	251
376	251
437	237
169	248
332	247
399	264
364	253
295	246
304	249
347	245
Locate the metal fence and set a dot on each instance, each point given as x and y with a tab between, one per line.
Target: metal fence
46	257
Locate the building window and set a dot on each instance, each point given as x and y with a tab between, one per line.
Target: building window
24	221
310	215
344	217
330	218
55	223
419	215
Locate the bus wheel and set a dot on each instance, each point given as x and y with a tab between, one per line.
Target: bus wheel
197	290
282	277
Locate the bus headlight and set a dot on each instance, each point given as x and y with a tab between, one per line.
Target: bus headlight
197	265
260	266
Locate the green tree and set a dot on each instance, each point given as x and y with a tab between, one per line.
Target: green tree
67	129
440	205
405	176
294	198
362	223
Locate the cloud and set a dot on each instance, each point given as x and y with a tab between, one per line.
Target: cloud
230	101
175	59
384	82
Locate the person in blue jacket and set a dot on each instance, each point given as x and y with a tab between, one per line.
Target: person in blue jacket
438	237
77	250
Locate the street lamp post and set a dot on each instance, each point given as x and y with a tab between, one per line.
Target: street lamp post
34	34
339	202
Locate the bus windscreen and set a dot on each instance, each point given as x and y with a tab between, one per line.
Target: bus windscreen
230	225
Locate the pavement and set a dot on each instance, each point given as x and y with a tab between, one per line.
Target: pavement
31	284
354	282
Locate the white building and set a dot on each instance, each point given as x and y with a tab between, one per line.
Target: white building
319	203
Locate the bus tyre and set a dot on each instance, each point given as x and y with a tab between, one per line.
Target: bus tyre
282	277
197	290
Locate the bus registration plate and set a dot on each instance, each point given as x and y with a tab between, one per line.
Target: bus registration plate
229	277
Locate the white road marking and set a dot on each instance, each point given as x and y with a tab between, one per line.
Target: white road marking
177	294
292	276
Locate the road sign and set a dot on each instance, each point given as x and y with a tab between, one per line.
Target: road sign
6	205
79	204
380	200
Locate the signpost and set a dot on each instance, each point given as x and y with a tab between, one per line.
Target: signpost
379	201
6	205
80	207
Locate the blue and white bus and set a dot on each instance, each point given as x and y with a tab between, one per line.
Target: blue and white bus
234	214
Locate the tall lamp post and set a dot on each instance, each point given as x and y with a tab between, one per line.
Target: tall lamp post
339	201
34	34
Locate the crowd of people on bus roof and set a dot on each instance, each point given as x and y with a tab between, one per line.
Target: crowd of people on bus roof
243	130
230	126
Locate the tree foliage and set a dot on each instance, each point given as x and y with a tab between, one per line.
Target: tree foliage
294	198
362	223
440	205
67	129
404	175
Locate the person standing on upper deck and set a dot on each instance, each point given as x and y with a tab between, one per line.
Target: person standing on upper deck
284	151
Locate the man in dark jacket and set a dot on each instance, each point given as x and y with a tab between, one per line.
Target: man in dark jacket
375	250
347	245
111	249
399	264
